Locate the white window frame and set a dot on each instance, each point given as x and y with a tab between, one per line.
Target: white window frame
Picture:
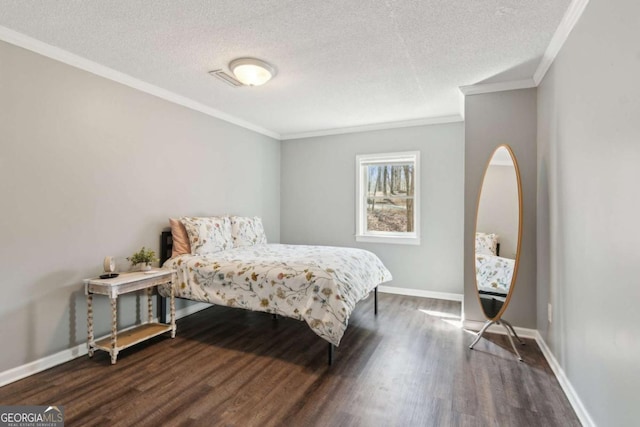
364	235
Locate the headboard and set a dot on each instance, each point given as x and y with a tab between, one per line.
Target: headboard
166	246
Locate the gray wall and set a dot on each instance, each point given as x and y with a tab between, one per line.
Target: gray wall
588	204
318	199
498	210
90	168
490	120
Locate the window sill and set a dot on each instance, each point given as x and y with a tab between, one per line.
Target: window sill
365	238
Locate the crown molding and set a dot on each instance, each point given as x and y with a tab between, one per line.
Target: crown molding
461	103
497	87
569	20
66	57
375	126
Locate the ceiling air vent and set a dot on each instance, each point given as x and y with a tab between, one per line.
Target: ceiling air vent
221	75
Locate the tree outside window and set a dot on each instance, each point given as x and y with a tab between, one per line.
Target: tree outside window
387	206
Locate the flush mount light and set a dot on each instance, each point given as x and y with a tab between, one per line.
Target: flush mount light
251	71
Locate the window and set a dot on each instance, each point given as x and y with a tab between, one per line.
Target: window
388	205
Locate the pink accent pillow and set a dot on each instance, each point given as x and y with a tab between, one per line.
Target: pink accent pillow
180	238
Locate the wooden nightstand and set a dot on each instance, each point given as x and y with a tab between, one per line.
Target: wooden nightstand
123	284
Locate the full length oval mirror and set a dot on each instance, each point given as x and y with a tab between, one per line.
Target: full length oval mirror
498	232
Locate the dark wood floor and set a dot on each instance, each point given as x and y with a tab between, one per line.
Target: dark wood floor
409	366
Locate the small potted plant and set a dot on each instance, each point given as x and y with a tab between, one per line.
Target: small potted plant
145	257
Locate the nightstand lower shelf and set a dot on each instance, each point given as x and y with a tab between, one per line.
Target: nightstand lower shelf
133	336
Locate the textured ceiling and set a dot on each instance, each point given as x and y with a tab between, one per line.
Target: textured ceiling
340	63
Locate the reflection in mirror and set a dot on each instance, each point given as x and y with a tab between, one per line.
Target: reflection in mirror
497	232
497	237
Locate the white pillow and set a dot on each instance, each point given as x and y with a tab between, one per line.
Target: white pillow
247	231
486	243
208	234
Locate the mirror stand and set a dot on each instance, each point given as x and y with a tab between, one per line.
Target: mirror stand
507	326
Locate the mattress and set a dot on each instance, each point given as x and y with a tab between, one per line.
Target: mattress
318	284
494	273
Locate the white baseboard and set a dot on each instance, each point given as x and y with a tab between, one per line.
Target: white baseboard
43	364
420	293
569	391
190	309
31	368
475	325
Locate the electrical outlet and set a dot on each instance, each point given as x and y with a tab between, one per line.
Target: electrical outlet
549	312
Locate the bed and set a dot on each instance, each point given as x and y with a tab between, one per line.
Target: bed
493	273
320	285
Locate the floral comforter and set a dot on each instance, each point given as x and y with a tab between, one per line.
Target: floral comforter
318	284
494	273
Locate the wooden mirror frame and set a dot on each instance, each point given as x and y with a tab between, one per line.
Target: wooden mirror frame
517	259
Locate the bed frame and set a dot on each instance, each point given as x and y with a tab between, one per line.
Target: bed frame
166	247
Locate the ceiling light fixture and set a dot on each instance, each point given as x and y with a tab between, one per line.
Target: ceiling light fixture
251	71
